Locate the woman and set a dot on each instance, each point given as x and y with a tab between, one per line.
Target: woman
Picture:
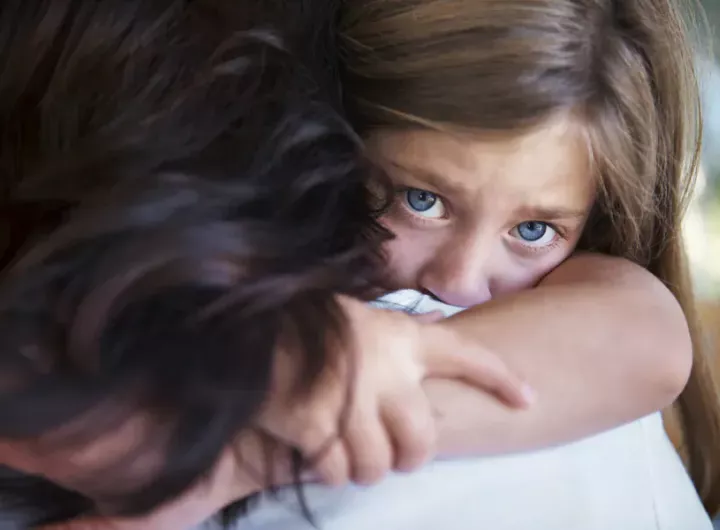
169	170
122	188
580	299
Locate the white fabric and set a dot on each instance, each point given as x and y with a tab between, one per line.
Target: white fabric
629	478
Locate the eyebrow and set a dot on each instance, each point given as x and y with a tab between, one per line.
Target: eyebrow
428	177
545	213
533	212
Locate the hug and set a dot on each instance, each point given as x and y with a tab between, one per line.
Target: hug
199	198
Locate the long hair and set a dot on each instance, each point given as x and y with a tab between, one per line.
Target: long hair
624	66
178	189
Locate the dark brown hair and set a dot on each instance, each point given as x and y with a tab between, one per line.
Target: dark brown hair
177	189
625	67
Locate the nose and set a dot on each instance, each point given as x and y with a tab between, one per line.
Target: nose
459	275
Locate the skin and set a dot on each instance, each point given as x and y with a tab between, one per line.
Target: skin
468	248
503	213
602	342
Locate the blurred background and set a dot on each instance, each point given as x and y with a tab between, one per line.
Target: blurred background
703	221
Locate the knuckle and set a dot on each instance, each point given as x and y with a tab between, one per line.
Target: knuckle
417	450
333	471
315	435
370	474
374	465
417	437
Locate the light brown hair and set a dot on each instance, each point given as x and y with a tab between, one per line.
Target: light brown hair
625	66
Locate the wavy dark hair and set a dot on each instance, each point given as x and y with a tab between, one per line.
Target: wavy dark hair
178	186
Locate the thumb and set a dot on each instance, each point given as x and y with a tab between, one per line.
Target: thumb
479	368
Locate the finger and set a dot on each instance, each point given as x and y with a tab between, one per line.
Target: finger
370	448
332	465
428	318
310	476
485	371
411	426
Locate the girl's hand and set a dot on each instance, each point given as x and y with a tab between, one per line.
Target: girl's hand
388	422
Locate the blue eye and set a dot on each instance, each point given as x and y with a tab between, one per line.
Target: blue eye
424	203
535	233
532	230
420	200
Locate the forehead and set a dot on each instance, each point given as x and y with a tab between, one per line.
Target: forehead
546	167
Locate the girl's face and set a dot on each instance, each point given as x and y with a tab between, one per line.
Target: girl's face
476	218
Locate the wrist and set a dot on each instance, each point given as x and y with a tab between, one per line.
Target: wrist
443	337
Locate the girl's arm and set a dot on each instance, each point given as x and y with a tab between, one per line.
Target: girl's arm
601	341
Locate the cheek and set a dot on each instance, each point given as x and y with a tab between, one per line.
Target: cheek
550	263
26	458
121	454
18	457
406	255
527	274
